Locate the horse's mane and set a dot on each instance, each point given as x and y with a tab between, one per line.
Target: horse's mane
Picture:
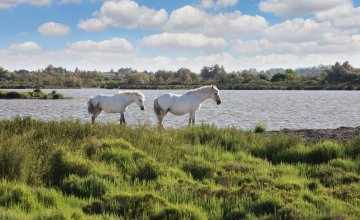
203	89
138	93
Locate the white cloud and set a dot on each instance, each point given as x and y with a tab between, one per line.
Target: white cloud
29	46
4	4
343	17
129	14
190	19
184	41
54	29
297	30
226	3
288	8
329	43
206	4
92	25
114	45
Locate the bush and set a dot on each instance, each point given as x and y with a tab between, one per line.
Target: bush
180	212
63	165
13	95
89	186
275	147
324	152
148	170
259	128
16	196
199	168
14	160
127	205
346	165
353	148
267	205
56	96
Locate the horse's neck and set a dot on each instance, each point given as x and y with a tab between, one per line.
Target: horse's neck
202	96
128	99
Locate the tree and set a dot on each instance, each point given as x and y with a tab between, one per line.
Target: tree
4	74
342	73
137	78
213	72
184	75
287	76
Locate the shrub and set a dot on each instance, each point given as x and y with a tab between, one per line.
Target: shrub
63	165
14	160
259	128
148	170
275	146
180	212
346	165
127	205
84	187
353	148
267	205
199	168
16	196
324	152
330	176
13	95
56	96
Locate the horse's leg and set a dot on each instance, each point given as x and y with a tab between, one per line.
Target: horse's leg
122	118
98	111
192	118
160	119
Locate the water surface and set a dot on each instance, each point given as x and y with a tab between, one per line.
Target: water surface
242	109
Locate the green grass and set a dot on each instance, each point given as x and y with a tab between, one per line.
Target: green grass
36	94
73	170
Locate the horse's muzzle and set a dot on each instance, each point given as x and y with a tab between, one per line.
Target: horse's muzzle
218	102
142	108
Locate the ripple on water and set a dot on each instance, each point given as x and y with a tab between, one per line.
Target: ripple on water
243	109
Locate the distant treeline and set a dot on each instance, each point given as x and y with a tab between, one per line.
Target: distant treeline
338	76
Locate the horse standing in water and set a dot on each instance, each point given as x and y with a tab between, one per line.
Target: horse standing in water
190	102
115	103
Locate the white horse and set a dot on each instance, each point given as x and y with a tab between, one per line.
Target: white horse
190	102
115	103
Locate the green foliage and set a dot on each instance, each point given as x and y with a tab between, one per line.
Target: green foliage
199	168
90	186
36	94
324	152
127	205
73	170
259	128
342	73
288	75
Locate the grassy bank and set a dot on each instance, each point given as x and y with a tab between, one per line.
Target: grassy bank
72	170
36	94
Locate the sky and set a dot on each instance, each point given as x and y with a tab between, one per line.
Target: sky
170	34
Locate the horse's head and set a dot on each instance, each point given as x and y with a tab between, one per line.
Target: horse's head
139	100
214	95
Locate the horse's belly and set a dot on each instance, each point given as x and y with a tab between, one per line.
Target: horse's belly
179	109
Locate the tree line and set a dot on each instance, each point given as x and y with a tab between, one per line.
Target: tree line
338	76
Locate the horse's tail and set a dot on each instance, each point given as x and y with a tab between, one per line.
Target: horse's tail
157	108
91	105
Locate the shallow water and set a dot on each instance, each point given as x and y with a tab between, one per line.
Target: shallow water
242	109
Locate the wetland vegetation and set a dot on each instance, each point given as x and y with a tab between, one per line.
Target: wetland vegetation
72	170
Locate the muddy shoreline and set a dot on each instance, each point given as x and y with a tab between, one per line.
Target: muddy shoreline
315	135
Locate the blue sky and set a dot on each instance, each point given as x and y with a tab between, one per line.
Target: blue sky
159	34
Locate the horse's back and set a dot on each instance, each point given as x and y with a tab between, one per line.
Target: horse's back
165	100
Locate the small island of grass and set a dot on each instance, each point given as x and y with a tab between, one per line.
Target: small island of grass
35	94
